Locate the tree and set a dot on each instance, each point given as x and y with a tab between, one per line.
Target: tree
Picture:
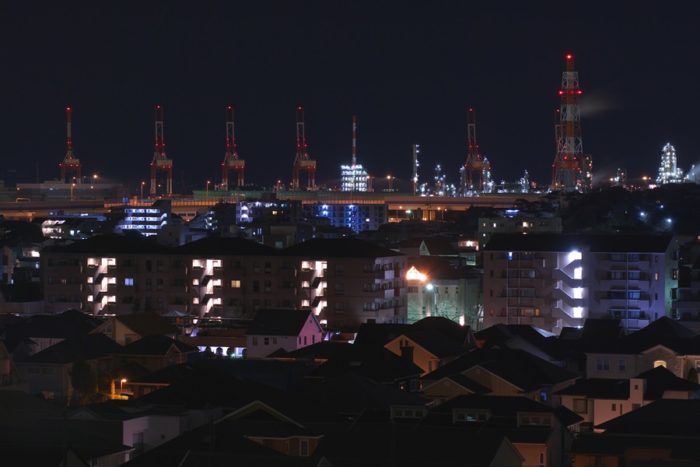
84	381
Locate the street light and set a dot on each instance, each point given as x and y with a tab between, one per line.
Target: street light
142	185
72	186
121	385
208	182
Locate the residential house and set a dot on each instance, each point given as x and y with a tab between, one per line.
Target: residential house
600	400
664	343
503	372
49	372
538	431
156	352
286	329
663	433
432	342
125	329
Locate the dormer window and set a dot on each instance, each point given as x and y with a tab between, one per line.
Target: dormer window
534	419
470	415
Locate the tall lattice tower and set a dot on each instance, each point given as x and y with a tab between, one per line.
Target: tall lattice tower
474	164
231	161
160	162
302	161
70	164
572	169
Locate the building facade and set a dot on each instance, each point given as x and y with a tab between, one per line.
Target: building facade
344	281
555	281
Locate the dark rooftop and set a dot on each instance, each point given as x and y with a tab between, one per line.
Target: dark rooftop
635	243
281	322
156	345
346	247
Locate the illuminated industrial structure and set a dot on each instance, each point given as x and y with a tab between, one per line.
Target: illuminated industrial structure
354	177
476	167
572	169
416	164
231	161
669	172
160	162
302	161
70	163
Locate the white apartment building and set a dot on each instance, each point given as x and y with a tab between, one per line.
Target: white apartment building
554	280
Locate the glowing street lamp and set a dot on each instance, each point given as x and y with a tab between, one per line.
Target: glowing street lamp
143	184
121	385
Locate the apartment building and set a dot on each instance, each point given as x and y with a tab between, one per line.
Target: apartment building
348	282
553	281
344	281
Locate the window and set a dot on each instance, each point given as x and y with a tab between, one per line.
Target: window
274	340
235	284
580	406
658	363
303	447
621	365
613	407
304	340
266	341
255	340
129	281
635	406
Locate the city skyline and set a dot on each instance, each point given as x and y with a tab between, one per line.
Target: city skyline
414	87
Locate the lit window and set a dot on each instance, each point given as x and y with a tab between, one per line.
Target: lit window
112	299
578	292
89	280
195	281
111	261
111	280
578	312
216	301
216	282
216	263
658	363
304	303
574	255
195	301
235	284
129	281
90	298
578	273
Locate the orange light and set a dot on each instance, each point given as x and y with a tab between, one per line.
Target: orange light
414	274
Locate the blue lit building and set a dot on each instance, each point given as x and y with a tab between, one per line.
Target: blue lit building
145	220
358	217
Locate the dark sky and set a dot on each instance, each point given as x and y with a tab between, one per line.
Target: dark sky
408	72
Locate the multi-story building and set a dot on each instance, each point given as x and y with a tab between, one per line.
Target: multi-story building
344	281
146	220
513	221
553	281
358	217
348	282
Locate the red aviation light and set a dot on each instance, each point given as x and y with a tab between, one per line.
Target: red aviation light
579	92
569	56
561	93
68	109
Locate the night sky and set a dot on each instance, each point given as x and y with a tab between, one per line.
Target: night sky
408	72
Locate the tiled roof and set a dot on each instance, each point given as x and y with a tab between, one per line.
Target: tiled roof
282	322
147	324
86	347
156	345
